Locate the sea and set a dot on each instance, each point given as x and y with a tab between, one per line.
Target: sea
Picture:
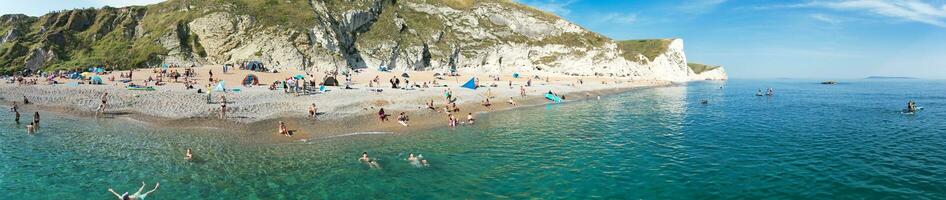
851	140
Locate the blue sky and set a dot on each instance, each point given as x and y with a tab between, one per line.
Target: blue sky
752	38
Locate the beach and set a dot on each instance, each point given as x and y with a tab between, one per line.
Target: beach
340	111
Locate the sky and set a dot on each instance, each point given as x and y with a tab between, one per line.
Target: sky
751	38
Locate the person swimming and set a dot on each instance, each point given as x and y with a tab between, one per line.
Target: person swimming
418	161
911	106
367	160
137	195
188	155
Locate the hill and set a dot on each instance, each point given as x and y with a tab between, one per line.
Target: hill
483	35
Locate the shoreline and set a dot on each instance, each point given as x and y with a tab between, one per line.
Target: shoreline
341	111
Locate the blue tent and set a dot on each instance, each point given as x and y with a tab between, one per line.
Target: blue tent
75	75
553	98
220	87
99	70
470	84
515	75
96	80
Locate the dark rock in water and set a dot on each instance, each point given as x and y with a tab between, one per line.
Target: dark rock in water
829	82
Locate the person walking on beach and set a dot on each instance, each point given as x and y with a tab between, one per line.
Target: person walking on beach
312	111
522	90
25	101
223	107
101	109
138	195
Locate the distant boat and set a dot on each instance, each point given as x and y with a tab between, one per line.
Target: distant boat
829	82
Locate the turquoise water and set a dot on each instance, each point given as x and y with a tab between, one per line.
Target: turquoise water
810	141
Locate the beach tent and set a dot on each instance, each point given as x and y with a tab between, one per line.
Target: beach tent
75	75
250	79
405	75
96	80
330	81
220	87
470	84
99	70
299	76
515	75
86	75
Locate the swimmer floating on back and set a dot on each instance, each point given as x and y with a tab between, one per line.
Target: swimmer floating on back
138	195
370	162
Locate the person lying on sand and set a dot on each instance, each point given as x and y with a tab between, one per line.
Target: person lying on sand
283	130
138	195
402	119
370	162
487	104
188	155
511	102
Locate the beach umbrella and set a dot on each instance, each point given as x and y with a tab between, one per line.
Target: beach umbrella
96	80
86	74
220	87
299	76
99	70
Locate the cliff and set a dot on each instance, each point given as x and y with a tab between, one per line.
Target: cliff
488	36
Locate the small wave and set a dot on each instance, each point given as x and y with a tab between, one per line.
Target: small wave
310	140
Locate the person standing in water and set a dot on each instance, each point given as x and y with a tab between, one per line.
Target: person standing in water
16	117
14	108
36	119
469	118
31	128
416	161
138	195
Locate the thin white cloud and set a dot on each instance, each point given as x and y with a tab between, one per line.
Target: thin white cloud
619	18
559	7
825	18
909	10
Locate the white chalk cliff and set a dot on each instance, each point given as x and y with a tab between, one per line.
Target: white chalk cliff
487	36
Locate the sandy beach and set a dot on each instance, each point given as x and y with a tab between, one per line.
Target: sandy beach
340	111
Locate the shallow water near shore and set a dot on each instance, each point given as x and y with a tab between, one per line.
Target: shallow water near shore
847	141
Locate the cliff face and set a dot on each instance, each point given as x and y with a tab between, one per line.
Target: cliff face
488	36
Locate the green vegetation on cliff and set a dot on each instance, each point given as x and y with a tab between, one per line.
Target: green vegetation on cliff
649	48
700	68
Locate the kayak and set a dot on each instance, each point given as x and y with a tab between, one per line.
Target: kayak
553	98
